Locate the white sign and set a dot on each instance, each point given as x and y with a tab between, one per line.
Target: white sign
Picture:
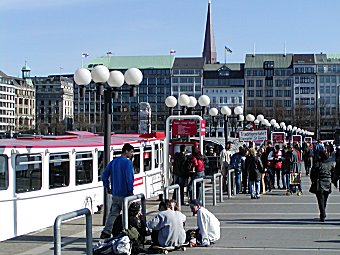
252	136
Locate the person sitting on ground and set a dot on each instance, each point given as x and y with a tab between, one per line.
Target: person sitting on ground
167	226
135	220
208	231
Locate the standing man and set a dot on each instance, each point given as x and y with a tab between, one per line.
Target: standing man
180	173
225	157
118	179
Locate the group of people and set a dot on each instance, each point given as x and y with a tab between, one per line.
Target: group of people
257	169
167	227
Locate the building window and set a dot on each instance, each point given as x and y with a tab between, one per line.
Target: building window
250	93
250	83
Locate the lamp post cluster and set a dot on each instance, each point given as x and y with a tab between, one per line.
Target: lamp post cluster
108	83
188	104
273	125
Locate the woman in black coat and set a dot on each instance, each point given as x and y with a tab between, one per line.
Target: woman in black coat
254	169
320	176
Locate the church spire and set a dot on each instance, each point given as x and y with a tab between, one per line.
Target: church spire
209	49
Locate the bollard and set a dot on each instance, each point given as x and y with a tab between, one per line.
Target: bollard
175	187
71	215
125	208
213	178
231	173
194	184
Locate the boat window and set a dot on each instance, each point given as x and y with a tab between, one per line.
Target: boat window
84	168
100	164
28	172
59	175
3	172
156	155
136	160
147	158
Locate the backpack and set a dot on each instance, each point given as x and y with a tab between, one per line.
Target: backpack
115	245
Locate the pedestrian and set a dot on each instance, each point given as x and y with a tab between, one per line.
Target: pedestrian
167	226
263	157
296	168
254	168
135	221
276	163
320	176
225	157
208	231
237	162
308	158
198	172
180	172
286	167
118	178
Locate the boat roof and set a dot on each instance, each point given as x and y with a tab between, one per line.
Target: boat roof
76	139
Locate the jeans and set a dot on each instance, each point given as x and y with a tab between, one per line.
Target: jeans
255	188
286	179
116	208
277	171
198	186
181	182
238	182
322	197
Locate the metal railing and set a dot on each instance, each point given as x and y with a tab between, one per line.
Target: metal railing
125	208
71	215
213	178
177	189
194	184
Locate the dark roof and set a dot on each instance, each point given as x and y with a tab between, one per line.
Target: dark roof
303	59
189	63
2	74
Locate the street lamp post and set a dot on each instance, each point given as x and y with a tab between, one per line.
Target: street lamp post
213	112
108	82
228	114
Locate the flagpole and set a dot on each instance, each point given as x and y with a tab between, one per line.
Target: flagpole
82	60
225	55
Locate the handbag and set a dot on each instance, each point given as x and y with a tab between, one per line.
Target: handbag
315	187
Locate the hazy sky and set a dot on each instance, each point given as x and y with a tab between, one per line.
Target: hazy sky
52	34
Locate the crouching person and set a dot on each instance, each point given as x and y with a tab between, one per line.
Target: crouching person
208	231
167	226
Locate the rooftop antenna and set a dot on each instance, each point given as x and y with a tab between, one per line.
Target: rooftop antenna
254	50
285	50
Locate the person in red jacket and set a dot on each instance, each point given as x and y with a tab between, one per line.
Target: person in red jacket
198	166
275	157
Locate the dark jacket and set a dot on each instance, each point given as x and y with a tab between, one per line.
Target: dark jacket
321	172
179	165
133	222
254	168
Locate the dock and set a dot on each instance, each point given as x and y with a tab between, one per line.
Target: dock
274	224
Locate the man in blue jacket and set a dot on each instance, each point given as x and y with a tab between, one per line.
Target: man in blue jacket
119	173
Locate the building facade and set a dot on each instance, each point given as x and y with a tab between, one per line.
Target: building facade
304	114
24	102
54	104
328	83
224	84
269	86
7	103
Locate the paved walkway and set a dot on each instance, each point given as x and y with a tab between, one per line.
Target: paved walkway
275	224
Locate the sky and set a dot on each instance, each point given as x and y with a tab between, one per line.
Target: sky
51	35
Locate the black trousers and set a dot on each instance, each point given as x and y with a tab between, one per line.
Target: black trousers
322	197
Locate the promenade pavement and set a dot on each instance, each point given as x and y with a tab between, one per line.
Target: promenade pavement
274	224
